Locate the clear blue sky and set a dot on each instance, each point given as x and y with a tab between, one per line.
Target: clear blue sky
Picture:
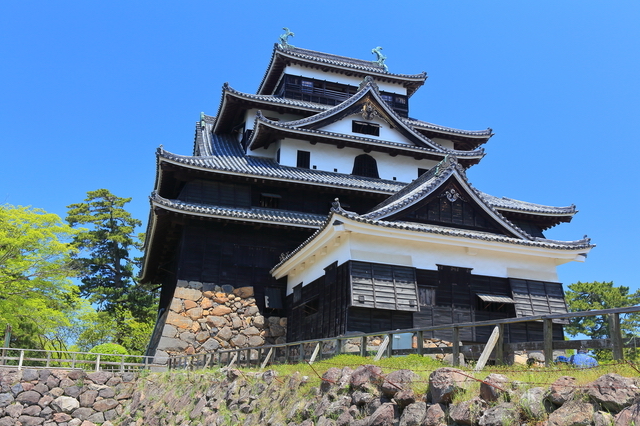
90	89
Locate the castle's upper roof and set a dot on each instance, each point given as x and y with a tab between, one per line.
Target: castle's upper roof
282	57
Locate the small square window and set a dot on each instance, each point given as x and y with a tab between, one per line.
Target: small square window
271	201
304	159
365	128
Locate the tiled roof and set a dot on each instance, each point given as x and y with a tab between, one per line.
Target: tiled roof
337	212
425	125
369	90
327	60
254	214
223	153
510	204
226	155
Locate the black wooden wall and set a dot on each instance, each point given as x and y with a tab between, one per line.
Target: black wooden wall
217	253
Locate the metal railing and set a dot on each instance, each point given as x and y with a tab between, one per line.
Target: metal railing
40	358
361	344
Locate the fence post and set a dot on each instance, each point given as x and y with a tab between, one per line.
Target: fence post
420	342
98	362
500	346
455	350
338	346
616	336
301	353
390	346
21	359
363	346
548	342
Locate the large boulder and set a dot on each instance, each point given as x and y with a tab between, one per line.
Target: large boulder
493	387
562	390
435	415
468	412
365	374
385	415
504	413
572	413
445	382
630	416
533	403
397	381
414	414
613	391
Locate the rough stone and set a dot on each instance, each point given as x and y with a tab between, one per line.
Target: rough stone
168	344
630	416
562	390
210	345
468	412
365	374
82	413
14	410
277	330
613	391
29	374
413	414
6	399
225	334
105	404
29	397
243	292
239	341
179	321
107	393
499	415
534	404
217	322
435	416
88	398
219	310
189	304
72	391
444	383
493	386
572	413
385	415
602	418
187	293
195	313
32	410
176	305
397	380
255	341
30	421
66	404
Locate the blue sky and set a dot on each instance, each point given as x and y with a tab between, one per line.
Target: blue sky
89	90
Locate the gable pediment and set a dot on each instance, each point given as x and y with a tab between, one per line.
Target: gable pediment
451	205
443	196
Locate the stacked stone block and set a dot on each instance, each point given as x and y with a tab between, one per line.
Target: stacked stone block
223	318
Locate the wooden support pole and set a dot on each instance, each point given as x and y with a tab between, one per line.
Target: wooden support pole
500	345
315	353
21	359
363	346
548	342
286	354
420	342
488	348
338	346
615	333
382	349
390	346
456	347
301	353
266	359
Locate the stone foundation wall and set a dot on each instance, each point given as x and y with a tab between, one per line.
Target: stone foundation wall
206	321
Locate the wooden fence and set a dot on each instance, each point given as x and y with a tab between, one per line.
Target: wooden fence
37	358
360	344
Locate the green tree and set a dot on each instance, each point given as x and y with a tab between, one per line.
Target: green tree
106	244
37	297
601	295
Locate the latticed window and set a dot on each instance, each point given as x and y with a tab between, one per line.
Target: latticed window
365	165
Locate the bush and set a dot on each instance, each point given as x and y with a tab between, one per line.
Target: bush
108	348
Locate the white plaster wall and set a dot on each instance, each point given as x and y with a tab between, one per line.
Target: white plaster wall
444	142
342	79
424	255
314	269
328	157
